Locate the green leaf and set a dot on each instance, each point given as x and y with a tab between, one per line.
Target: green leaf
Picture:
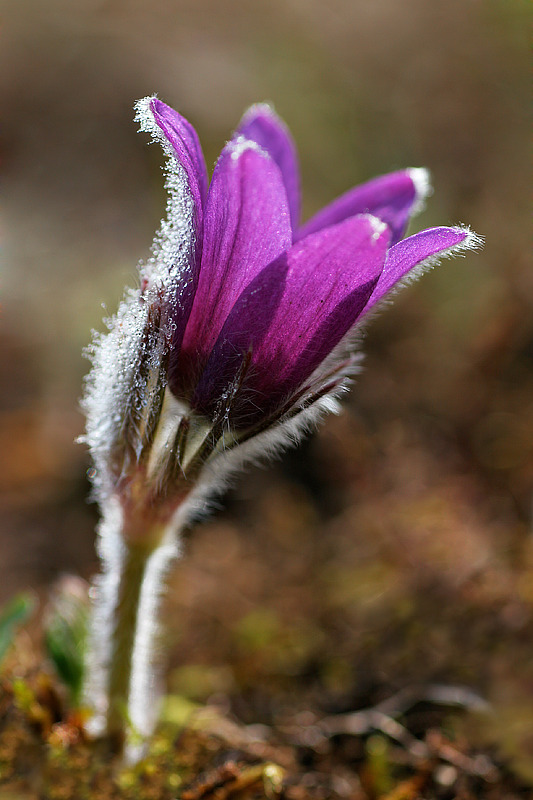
65	635
13	615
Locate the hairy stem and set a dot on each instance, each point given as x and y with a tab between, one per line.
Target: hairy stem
120	681
126	619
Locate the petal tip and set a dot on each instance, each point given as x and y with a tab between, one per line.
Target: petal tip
259	108
144	113
265	110
145	118
421	178
470	241
240	145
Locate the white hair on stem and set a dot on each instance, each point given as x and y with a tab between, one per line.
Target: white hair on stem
144	693
104	596
214	478
115	390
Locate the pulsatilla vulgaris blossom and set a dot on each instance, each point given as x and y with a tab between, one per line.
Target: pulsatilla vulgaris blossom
241	329
238	337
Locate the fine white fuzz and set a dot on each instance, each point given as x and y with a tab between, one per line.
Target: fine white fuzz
236	147
471	241
111	384
267	109
128	372
421	178
127	381
219	472
144	683
174	242
103	595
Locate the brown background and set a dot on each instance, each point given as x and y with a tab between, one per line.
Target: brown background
396	544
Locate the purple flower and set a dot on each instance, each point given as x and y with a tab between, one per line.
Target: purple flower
239	336
263	301
245	318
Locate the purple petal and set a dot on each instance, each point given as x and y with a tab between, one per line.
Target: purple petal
262	125
293	314
246	227
410	257
184	144
393	198
177	248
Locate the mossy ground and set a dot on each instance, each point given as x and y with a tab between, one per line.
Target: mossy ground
200	752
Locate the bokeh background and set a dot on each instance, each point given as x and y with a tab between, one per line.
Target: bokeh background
396	545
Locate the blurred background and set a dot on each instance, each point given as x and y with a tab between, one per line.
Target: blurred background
396	545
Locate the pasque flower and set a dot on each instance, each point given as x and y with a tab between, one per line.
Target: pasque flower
241	331
244	316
